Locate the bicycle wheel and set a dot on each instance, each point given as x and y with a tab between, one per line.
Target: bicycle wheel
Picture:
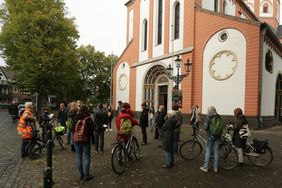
136	149
228	157
190	150
33	150
118	159
258	159
61	142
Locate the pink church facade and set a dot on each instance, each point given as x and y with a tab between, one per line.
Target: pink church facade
233	45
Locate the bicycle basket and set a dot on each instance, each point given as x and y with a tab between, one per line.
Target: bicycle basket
260	146
59	130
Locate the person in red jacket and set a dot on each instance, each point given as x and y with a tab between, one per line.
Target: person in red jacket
124	113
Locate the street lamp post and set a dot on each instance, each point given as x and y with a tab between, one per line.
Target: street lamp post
179	77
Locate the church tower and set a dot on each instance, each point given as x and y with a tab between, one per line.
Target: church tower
266	10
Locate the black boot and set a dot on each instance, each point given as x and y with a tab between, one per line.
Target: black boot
72	148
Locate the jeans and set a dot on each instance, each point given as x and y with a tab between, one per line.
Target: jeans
99	139
212	144
169	158
83	152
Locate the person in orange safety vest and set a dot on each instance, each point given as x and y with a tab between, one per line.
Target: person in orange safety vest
24	128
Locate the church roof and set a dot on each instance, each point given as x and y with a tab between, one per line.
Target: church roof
279	31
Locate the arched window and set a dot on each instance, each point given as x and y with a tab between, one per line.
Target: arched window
265	8
176	20
216	5
145	35
224	7
160	21
269	62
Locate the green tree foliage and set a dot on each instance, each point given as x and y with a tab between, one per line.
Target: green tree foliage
38	42
95	73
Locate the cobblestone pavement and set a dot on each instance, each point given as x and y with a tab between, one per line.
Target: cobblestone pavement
147	172
10	161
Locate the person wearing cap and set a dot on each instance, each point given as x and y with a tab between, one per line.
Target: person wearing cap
25	126
125	112
144	121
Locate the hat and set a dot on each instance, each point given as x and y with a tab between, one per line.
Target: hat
143	104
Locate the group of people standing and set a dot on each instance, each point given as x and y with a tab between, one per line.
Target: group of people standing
84	131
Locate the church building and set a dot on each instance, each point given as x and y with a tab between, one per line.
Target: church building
226	53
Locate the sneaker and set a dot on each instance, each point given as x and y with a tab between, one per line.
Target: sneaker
96	151
111	129
144	143
204	169
215	170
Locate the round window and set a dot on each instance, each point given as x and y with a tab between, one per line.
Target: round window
223	36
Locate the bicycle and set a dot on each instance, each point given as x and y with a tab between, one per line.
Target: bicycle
36	144
192	149
261	158
122	152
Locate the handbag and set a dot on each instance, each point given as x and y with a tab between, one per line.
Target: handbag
245	132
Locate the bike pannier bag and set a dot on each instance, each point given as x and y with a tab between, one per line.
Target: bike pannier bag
216	126
259	146
125	127
81	133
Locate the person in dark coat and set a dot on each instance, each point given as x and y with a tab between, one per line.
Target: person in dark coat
169	137
13	111
44	120
72	113
110	114
159	121
177	131
239	143
63	115
100	125
144	121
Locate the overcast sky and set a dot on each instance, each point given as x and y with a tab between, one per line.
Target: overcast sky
101	23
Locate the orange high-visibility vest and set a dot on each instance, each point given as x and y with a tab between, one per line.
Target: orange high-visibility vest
23	129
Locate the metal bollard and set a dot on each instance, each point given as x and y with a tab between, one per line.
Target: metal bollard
48	180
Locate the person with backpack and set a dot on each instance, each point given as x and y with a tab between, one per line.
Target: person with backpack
214	127
100	125
125	122
82	141
239	140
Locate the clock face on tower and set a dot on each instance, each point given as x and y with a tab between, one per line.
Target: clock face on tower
122	82
223	65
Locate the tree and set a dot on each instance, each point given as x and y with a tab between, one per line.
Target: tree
95	73
38	42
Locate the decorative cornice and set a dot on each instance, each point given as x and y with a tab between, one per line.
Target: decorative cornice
183	51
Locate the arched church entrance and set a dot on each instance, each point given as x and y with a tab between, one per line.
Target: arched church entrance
156	87
278	98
